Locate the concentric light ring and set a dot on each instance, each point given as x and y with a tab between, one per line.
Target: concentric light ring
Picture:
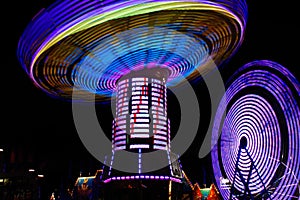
262	101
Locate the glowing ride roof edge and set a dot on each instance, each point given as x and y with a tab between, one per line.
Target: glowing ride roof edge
101	18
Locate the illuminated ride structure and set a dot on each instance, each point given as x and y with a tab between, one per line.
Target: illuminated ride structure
257	136
141	125
133	51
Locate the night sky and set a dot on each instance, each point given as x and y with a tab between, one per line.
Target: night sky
40	129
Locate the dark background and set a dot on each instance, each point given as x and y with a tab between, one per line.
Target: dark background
40	131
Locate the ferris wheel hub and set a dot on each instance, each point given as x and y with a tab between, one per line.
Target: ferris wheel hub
243	142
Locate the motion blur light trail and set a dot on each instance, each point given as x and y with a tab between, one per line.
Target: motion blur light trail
91	44
260	135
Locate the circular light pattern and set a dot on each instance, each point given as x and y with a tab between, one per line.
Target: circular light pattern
91	44
258	137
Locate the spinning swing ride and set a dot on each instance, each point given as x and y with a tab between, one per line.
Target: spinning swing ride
92	44
134	50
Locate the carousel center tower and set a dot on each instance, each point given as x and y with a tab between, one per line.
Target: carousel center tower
141	111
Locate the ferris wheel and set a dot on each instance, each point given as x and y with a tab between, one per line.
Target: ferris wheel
256	134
